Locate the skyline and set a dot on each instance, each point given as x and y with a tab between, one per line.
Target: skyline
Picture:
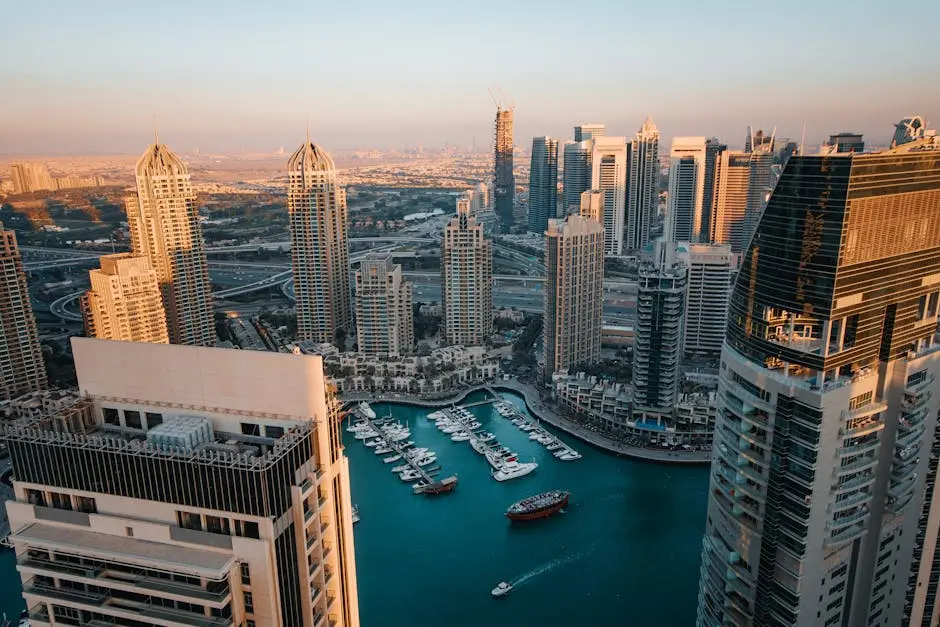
418	74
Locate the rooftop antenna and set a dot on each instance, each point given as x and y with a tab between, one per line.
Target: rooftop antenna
308	128
156	136
803	138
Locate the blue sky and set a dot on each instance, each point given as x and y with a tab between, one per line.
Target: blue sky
225	76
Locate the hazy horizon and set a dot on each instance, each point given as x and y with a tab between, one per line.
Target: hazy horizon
89	78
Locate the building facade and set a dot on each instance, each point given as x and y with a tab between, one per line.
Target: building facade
124	301
188	486
713	150
164	226
710	269
729	216
686	189
662	292
609	176
642	186
319	231
577	174
543	183
588	131
466	281
21	365
384	317
574	293
31	177
504	178
827	397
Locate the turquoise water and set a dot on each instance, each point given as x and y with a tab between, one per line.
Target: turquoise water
626	552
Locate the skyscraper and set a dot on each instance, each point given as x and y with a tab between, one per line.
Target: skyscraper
164	226
827	404
466	281
577	174
729	218
686	189
21	366
543	183
713	150
760	183
642	186
574	292
609	176
384	318
30	177
662	292
188	486
504	179
587	132
709	290
316	206
908	130
124	301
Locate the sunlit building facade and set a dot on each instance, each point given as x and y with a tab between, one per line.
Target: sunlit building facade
466	281
609	176
124	301
384	317
642	186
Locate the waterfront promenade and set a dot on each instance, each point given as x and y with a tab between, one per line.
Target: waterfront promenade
545	413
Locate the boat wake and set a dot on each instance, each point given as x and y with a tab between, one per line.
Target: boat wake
558	562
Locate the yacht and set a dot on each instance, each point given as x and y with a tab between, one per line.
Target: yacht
384	449
366	410
355	514
513	469
460	436
502	589
375	442
545	439
554	446
528	427
398	436
569	455
474	425
437	415
427	459
356	427
486	437
391	458
401	468
416	452
535	435
369	433
477	445
410	475
453	429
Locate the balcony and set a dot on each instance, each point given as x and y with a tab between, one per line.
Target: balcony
862	463
922	385
850	501
857	516
862	430
909	437
847	534
858	448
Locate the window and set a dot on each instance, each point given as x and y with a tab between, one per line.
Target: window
274	432
215	524
154	419
132	419
246	574
250	428
86	504
110	416
189	521
61	501
129	532
249	603
35	497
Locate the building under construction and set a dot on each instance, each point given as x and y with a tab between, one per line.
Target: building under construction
504	182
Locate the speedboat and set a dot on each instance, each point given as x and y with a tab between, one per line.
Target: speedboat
569	455
375	442
427	459
366	410
452	429
486	437
474	425
392	458
362	435
383	450
460	436
401	468
410	475
355	427
355	514
416	452
554	446
502	589
535	435
545	439
436	415
398	436
528	427
513	469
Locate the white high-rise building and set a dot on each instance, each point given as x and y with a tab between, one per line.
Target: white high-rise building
124	301
316	206
686	189
384	317
609	176
828	402
709	290
164	226
466	281
186	486
574	292
643	188
729	216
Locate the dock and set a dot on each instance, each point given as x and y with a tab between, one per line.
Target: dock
492	450
428	483
562	449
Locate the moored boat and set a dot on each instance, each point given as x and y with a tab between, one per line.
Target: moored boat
436	487
513	469
539	505
392	458
366	410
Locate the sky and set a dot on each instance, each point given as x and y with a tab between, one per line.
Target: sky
233	76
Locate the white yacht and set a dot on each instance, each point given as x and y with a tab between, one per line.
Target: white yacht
391	458
569	455
554	446
401	468
535	435
427	459
375	442
474	425
502	589
410	475
527	427
460	436
545	439
355	427
436	415
384	449
416	452
513	469
363	435
366	410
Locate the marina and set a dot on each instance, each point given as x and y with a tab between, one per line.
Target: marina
391	438
536	432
